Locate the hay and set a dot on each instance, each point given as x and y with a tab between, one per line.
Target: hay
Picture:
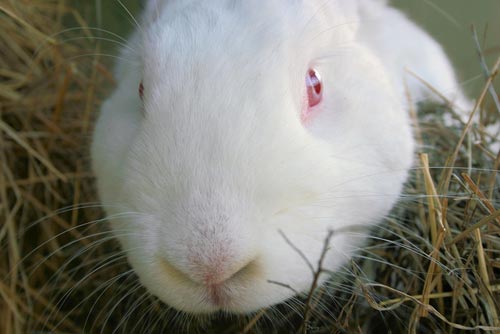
47	101
437	258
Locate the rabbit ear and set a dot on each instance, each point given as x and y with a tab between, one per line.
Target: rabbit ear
405	48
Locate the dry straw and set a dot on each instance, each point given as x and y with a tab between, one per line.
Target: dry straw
436	260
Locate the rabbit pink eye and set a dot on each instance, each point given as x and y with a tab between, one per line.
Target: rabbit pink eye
314	88
141	91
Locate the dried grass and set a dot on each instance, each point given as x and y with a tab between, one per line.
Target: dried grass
437	258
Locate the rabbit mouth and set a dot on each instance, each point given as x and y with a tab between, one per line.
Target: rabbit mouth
217	295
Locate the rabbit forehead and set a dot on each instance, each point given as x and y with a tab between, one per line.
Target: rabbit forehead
253	26
330	10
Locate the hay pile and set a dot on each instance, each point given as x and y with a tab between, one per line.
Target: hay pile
437	257
47	101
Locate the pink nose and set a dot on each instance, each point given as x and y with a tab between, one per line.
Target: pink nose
218	269
211	274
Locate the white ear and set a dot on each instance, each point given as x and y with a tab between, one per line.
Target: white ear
403	46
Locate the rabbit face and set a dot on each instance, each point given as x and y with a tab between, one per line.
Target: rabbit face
233	172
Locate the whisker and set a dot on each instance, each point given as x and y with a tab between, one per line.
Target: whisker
103	39
444	13
119	39
110	281
131	16
137	303
107	55
121	215
126	295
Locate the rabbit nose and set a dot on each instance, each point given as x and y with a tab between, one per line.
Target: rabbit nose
222	272
218	268
213	272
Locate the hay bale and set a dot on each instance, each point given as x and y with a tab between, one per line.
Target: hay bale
437	257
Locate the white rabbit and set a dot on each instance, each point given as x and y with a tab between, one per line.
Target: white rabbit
241	132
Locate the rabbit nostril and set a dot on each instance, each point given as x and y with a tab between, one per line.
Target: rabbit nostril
249	270
173	272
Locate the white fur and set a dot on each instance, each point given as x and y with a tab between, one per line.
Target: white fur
405	49
220	162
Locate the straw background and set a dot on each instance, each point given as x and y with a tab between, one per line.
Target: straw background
437	256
